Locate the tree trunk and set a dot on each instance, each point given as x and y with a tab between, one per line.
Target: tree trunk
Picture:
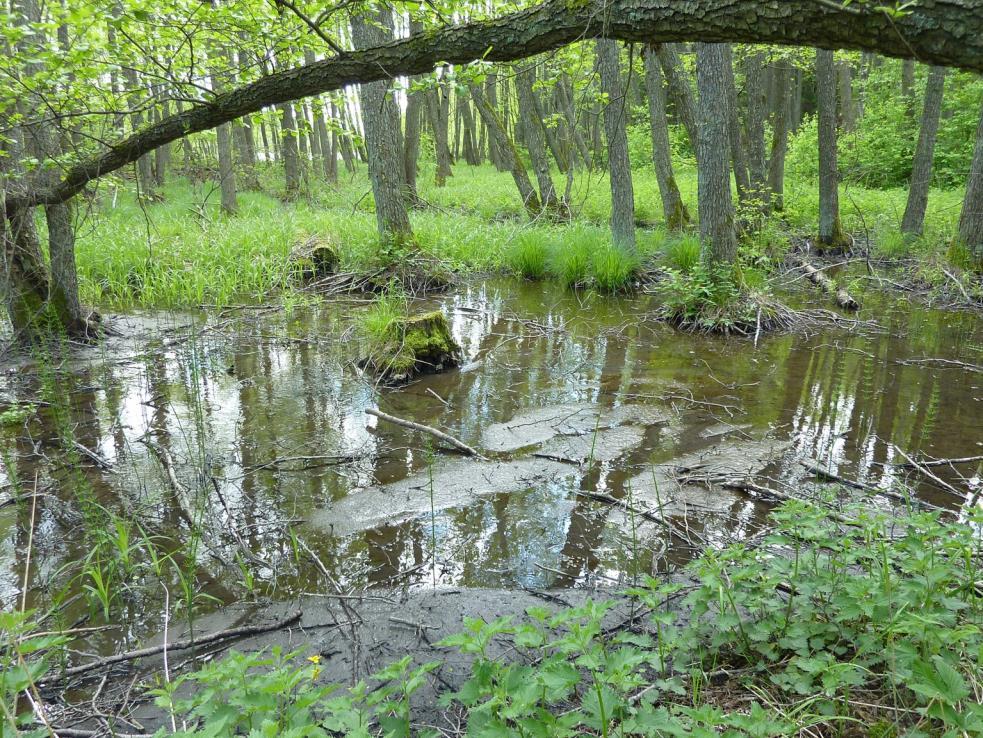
411	137
289	150
713	76
737	154
971	218
830	232
226	167
532	130
382	145
921	170
783	99
619	167
848	113
508	151
438	109
756	94
329	162
145	169
908	85
499	157
673	207
570	114
680	91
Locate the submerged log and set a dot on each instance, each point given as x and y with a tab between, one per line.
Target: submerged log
417	344
827	285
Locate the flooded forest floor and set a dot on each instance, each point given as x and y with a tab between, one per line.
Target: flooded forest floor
207	471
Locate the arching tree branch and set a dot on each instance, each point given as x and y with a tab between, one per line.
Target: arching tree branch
942	32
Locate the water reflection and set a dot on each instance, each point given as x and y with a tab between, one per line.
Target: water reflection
265	424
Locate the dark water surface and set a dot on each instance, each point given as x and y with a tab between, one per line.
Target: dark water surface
262	416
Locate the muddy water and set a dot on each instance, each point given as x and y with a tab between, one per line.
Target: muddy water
260	416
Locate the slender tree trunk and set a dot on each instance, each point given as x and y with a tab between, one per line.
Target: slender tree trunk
737	154
329	165
438	108
680	91
755	92
971	218
848	113
713	76
619	167
570	114
145	170
411	137
507	149
830	231
289	150
226	166
779	143
498	156
381	120
908	85
673	207
795	109
532	130
921	170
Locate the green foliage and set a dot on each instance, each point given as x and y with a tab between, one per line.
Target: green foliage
25	656
379	322
708	297
823	624
16	415
571	258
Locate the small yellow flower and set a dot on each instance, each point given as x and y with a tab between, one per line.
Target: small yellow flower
315	674
315	659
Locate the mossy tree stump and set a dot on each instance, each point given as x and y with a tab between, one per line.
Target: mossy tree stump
418	344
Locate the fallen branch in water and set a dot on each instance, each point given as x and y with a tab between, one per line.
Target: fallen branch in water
821	280
928	473
944	462
813	467
221	635
439	435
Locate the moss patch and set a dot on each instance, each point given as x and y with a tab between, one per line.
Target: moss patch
417	344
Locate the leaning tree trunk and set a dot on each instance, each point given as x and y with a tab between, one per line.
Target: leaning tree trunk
619	166
830	231
509	153
382	145
680	92
921	169
713	170
971	218
673	207
532	129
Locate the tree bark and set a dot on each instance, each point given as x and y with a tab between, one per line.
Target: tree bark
673	208
971	218
619	167
680	92
289	150
713	170
737	154
921	171
848	112
830	232
511	159
532	130
438	109
779	142
756	94
940	33
411	136
382	145
908	85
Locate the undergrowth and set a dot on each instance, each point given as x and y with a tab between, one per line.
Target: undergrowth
183	252
870	625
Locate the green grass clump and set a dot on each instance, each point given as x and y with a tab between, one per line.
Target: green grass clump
571	258
683	252
378	323
613	268
893	244
529	255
